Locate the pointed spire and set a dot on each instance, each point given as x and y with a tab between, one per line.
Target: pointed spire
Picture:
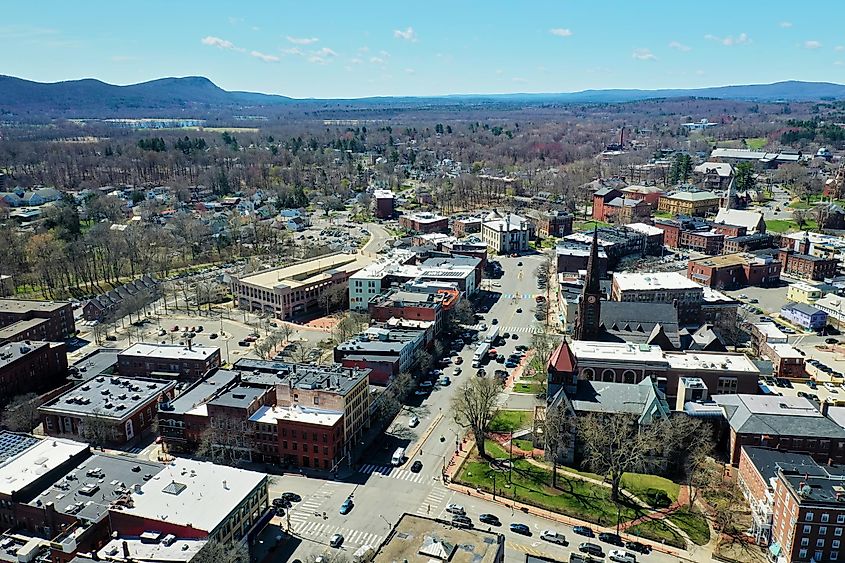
591	284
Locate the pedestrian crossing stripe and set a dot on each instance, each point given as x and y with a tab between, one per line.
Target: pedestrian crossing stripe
390	471
522	329
322	530
432	502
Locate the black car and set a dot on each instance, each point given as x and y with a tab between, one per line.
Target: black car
506	335
494	322
293	497
583	531
612	539
281	503
591	548
514	336
491	519
638	547
518	528
416	467
461	521
519	309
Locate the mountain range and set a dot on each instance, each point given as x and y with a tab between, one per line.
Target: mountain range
196	96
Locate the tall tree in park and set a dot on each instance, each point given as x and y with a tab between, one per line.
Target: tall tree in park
474	406
744	177
681	168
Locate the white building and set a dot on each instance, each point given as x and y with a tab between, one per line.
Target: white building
505	234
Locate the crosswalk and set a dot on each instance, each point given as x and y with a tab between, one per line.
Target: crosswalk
135	450
530	296
522	329
321	531
393	472
301	511
432	503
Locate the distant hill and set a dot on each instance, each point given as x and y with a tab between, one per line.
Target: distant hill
196	96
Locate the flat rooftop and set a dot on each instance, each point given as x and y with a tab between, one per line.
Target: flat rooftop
416	539
651	281
425	217
12	444
771	332
786	351
22	306
108	396
307	272
20	326
296	413
303	376
194	493
693	196
711	361
141	549
31	464
238	397
170	351
722	261
616	351
14	351
201	391
88	489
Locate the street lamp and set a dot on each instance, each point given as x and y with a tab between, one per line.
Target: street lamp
385	521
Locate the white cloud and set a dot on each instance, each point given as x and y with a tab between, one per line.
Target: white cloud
355	61
561	31
408	34
786	25
679	46
377	60
324	52
293	51
264	57
839	48
839	63
812	44
699	72
302	40
410	71
499	71
730	40
220	43
643	55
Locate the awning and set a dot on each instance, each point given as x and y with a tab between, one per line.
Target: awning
774	549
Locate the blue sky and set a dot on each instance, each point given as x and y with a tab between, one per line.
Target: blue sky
330	49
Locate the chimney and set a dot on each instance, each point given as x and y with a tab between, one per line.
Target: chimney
125	549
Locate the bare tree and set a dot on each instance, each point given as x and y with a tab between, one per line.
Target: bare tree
218	552
800	217
474	406
21	413
351	324
615	444
557	434
97	429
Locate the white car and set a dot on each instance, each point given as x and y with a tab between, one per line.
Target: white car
413	421
621	556
831	387
457	371
554	537
455	508
336	540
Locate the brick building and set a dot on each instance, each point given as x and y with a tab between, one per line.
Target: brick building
31	366
747	243
424	222
733	271
466	226
706	242
806	266
694	204
600	198
553	223
106	409
786	360
305	436
672	228
169	361
59	316
384	203
649	194
411	306
791	424
660	287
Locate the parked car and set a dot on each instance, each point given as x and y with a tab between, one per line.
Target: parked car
621	556
553	537
444	381
413	421
519	309
518	528
591	548
491	519
292	497
638	547
612	539
111	338
457	371
336	540
346	507
494	321
583	531
426	384
831	341
416	467
461	521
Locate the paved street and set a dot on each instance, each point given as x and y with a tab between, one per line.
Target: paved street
381	493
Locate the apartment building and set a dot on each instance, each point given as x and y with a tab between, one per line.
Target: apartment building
168	361
58	314
31	366
424	222
660	287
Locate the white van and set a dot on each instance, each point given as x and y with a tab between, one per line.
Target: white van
622	556
398	456
363	555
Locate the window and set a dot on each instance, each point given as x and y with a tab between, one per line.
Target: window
808	517
820	543
726	385
823	530
807	529
316	400
840	518
834	555
825	517
802	554
805	542
819	555
835	544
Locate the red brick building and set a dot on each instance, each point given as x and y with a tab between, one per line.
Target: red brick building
787	361
466	226
424	222
384	204
305	436
806	266
733	271
730	230
600	198
553	223
106	410
31	366
791	424
58	314
411	306
707	242
184	363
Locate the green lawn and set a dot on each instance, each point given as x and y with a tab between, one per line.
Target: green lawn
663	215
524	445
693	523
658	531
531	484
495	450
510	421
640	483
531	388
785	225
588	225
756	143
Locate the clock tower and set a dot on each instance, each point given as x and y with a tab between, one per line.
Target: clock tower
589	307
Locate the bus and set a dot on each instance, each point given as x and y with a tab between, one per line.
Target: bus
492	335
480	354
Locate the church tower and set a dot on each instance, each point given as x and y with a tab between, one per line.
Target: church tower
589	308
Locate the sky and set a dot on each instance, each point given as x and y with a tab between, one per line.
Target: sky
333	49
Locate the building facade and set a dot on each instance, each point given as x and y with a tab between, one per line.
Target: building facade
170	361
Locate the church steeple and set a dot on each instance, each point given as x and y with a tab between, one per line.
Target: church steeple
589	308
